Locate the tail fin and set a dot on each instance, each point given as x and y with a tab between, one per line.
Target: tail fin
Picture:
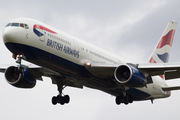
162	50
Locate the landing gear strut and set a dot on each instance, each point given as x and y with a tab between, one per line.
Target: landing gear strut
20	56
19	69
60	98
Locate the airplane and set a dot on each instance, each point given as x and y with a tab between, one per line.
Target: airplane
70	61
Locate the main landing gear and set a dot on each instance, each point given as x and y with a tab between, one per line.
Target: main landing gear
60	98
124	99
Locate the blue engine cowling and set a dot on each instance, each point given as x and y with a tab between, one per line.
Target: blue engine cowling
129	76
20	79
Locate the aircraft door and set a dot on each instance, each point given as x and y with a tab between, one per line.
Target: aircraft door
42	36
26	30
40	32
22	32
76	47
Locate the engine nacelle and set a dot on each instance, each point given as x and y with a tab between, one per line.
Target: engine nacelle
18	79
129	76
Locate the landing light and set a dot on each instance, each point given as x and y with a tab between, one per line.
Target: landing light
88	63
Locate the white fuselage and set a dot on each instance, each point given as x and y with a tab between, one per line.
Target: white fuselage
59	48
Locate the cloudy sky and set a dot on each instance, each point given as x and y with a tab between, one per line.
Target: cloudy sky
128	28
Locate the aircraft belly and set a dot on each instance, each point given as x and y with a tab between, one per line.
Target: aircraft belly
70	69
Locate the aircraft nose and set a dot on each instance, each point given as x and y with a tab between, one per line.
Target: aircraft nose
9	34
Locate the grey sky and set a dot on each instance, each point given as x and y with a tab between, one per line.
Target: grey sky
129	28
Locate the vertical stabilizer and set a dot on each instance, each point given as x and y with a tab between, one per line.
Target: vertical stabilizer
162	50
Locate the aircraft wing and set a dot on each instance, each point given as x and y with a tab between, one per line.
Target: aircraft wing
38	72
170	70
35	70
3	68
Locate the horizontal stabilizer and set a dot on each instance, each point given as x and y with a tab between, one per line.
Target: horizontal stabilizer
171	88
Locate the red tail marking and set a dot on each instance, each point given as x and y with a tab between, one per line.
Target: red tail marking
167	39
152	60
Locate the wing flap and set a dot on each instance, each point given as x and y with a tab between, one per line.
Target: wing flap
171	88
172	75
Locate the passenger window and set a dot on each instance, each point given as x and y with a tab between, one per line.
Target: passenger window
9	24
21	25
26	26
15	24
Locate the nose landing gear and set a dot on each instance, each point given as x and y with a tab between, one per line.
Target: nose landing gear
19	69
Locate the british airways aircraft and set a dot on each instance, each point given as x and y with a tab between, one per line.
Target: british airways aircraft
70	61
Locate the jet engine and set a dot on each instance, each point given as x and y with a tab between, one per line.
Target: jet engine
129	76
19	78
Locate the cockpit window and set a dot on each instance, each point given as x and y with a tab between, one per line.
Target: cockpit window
15	24
26	26
18	25
21	25
9	24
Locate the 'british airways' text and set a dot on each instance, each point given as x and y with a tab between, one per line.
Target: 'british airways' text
61	47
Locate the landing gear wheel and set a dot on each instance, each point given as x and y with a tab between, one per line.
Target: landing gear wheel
130	99
60	99
67	98
118	100
54	100
126	100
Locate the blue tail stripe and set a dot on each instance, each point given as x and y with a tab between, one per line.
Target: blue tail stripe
164	57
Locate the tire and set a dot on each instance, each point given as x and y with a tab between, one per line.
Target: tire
54	100
130	99
126	100
66	99
118	100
